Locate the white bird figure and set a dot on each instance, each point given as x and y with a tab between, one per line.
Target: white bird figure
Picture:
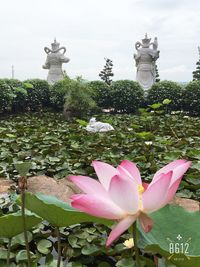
97	126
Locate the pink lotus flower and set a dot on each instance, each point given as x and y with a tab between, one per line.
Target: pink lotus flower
120	195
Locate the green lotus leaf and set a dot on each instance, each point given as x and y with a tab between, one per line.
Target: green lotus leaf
23	168
175	235
11	224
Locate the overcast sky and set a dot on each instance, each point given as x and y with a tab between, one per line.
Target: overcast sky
94	29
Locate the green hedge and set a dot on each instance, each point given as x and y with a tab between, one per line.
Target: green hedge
17	96
166	90
38	94
101	92
127	96
13	83
191	98
19	102
122	96
6	97
58	92
78	99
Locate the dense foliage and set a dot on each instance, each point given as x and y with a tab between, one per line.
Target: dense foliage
13	83
127	96
101	93
38	94
57	93
191	98
6	97
57	147
83	245
166	90
78	100
196	73
17	96
123	96
19	90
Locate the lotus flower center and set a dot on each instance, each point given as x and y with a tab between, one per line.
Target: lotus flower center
140	189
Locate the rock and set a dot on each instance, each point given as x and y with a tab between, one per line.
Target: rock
61	189
5	185
188	204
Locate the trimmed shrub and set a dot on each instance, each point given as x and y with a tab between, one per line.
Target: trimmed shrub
101	94
127	96
166	90
6	96
38	94
191	98
19	102
57	93
13	83
78	100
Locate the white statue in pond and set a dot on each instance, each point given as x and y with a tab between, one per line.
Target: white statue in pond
54	62
145	61
97	126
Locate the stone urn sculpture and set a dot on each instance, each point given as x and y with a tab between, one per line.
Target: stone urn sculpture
145	61
55	58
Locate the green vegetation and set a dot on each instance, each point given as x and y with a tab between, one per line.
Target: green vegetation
127	96
166	90
83	98
107	73
101	94
78	100
46	143
191	98
196	73
84	244
57	147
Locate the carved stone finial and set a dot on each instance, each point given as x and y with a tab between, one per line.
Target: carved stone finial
55	45
146	41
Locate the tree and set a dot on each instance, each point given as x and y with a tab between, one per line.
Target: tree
106	73
157	74
196	73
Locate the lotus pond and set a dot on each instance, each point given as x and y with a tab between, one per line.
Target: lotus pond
58	148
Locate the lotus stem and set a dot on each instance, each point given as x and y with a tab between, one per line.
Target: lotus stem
174	133
8	253
24	228
59	246
137	254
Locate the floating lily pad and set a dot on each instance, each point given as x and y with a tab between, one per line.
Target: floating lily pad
43	246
